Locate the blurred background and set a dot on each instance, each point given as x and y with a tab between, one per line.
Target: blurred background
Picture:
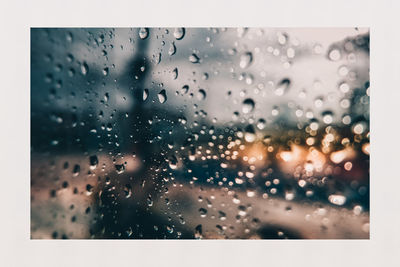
206	133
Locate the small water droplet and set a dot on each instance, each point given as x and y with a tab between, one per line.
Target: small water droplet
283	87
179	33
84	68
246	59
194	58
120	168
145	94
198	232
172	49
184	89
173	162
175	74
203	212
248	105
162	96
94	161
201	94
143	33
105	71
149	201
261	124
76	170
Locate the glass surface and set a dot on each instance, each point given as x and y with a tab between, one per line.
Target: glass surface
200	133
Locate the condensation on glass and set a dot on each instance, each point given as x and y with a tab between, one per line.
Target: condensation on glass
200	133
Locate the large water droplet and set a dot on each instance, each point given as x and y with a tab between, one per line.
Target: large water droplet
179	33
162	96
143	33
248	105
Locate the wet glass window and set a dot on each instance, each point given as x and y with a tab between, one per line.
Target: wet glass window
200	133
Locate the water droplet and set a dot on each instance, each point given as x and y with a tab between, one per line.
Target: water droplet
120	168
172	49
198	232
162	96
203	212
246	59
283	87
222	215
143	33
201	94
261	124
84	68
194	58
94	161
248	105
105	71
179	33
145	94
149	201
184	89
175	74
128	190
173	162
76	170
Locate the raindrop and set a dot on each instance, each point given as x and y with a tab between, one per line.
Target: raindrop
194	58
172	49
283	87
179	33
120	168
162	96
84	68
246	59
198	232
93	162
173	162
184	89
105	71
143	33
145	94
175	74
248	105
201	94
203	212
128	190
261	124
76	170
149	201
